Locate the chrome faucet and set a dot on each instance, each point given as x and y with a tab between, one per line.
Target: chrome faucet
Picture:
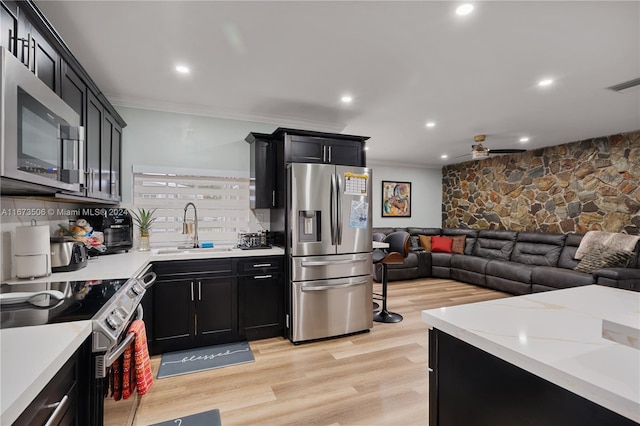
196	243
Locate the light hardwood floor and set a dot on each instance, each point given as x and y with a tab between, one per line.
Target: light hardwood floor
376	378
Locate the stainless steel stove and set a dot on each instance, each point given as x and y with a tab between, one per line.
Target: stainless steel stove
111	305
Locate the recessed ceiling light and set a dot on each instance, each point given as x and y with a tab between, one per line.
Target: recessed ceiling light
545	82
465	9
524	139
443	156
366	148
346	99
182	69
431	124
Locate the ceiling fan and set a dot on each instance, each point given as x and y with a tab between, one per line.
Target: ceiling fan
478	151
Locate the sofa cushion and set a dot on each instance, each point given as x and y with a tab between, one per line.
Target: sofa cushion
571	244
534	248
441	244
458	244
470	234
441	259
559	277
615	240
495	244
423	231
469	263
425	241
601	256
386	230
510	270
378	236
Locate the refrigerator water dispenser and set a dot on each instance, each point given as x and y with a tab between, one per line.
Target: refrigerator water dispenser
309	222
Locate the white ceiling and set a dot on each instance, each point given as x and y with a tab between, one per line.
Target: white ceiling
405	63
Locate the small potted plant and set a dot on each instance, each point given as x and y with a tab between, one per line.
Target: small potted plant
144	219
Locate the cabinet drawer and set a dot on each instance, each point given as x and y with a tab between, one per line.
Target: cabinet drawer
61	391
260	265
212	267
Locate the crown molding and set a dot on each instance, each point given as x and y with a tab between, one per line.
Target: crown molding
206	111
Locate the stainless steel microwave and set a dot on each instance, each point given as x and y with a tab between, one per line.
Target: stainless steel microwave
41	137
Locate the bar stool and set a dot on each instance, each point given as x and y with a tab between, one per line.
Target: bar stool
394	255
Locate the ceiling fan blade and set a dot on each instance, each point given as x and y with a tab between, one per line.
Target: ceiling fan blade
505	151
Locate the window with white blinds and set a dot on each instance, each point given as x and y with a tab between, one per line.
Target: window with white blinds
221	198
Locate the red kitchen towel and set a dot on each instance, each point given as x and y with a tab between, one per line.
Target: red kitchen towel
116	377
128	373
141	360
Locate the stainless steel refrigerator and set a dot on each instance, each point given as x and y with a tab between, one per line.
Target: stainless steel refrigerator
329	250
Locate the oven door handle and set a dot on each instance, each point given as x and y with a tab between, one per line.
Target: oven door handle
152	279
112	356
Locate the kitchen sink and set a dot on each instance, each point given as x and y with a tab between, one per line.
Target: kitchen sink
180	250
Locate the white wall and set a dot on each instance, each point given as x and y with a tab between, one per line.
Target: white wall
157	138
426	195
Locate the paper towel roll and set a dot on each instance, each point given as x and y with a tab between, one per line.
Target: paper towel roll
32	240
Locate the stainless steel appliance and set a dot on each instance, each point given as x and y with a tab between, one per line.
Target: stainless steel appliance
254	240
111	305
41	137
329	212
117	226
68	256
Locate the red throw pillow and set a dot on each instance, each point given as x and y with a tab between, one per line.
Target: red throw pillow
441	244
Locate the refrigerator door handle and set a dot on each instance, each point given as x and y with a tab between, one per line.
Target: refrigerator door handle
333	262
331	287
339	209
333	209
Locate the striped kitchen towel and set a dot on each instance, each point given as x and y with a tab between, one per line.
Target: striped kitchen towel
141	361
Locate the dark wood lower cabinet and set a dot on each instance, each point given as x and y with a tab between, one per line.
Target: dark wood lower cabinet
205	302
65	399
194	311
468	386
261	300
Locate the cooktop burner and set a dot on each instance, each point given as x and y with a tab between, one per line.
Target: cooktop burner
81	300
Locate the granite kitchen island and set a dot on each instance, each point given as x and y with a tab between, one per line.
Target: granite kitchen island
539	359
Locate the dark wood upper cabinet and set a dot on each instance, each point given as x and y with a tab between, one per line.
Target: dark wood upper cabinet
27	34
269	154
8	26
310	149
302	146
74	92
262	166
36	52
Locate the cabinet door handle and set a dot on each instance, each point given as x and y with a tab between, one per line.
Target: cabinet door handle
324	154
54	419
192	291
261	265
329	153
33	58
199	290
273	198
26	43
262	277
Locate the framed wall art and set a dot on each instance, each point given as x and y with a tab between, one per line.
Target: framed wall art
396	199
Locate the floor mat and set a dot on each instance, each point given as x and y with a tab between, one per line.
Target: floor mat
200	359
209	418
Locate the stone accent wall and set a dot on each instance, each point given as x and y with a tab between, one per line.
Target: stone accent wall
575	187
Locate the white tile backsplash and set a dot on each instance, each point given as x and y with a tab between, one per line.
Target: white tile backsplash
18	211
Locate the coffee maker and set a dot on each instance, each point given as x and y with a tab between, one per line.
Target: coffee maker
116	225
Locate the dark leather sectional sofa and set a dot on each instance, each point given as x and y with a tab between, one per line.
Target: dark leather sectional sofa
509	261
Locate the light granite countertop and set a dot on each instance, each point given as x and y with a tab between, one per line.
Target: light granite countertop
31	356
557	336
124	265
